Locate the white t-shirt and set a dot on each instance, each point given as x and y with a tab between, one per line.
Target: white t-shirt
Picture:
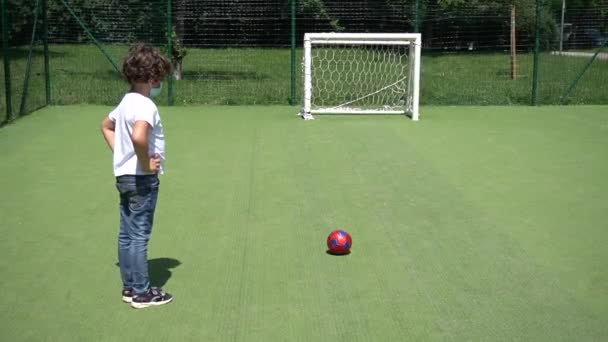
135	107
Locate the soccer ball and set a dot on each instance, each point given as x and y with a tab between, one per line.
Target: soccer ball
339	242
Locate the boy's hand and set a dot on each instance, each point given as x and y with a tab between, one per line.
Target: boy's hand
153	164
107	129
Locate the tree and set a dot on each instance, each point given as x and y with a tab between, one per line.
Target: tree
318	10
178	51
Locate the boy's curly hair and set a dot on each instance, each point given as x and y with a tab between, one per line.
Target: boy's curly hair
145	63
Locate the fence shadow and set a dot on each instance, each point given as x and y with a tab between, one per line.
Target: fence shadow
17	53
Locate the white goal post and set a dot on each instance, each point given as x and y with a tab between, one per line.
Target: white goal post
361	73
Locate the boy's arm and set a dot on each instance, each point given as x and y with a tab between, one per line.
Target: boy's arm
140	143
107	129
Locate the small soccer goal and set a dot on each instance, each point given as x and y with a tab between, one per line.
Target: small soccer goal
361	73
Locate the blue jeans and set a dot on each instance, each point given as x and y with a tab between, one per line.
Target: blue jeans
138	196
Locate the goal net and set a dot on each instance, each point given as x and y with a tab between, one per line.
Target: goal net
361	73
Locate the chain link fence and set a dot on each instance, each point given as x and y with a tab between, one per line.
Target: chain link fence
25	59
250	51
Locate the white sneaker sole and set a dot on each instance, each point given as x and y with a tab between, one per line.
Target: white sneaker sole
145	305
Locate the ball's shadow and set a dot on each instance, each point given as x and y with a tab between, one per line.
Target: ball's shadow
328	252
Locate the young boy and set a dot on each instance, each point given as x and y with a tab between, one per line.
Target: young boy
134	133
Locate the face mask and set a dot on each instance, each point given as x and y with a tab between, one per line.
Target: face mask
155	91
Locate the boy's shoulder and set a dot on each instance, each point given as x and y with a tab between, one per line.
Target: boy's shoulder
138	102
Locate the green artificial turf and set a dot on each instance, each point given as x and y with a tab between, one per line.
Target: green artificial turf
475	223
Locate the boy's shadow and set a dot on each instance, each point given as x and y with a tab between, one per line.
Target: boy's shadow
160	270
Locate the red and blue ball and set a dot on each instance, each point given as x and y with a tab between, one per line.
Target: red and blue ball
339	242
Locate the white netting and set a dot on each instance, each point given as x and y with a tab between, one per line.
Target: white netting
360	77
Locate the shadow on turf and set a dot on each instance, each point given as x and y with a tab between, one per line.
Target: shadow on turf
160	270
337	255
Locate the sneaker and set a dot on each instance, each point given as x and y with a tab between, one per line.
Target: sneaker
127	295
155	296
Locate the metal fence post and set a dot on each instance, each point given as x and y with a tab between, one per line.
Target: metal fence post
170	51
292	99
45	39
28	66
7	60
536	54
417	16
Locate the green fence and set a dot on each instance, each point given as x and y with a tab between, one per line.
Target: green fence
25	59
249	51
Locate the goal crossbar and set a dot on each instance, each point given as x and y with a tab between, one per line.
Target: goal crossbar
360	42
328	36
